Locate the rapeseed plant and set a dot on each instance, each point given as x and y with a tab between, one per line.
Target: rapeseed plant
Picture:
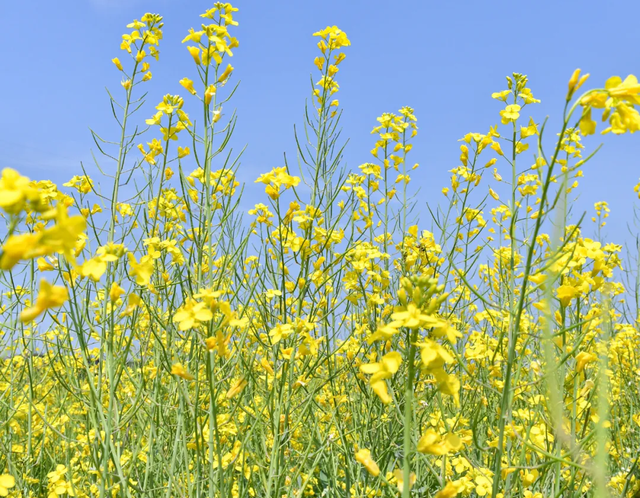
329	346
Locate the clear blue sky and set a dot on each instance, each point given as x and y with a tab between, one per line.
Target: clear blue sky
442	58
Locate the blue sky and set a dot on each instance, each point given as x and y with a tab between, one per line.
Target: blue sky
442	58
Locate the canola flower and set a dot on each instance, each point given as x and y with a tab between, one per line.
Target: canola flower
328	345
7	482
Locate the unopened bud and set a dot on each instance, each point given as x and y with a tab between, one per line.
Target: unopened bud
573	81
402	297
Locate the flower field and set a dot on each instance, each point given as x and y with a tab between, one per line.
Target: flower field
335	340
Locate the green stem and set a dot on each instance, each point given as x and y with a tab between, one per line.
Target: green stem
408	413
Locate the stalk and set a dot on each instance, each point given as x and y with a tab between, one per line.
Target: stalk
408	414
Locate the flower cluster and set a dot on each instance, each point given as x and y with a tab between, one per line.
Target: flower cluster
145	35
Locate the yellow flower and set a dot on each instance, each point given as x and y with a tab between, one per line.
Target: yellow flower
115	292
275	179
624	118
195	53
433	444
6	482
576	82
449	491
20	247
133	301
385	369
335	37
280	331
566	293
264	363
399	475
538	278
363	456
44	265
510	113
587	125
143	270
15	190
193	36
63	236
116	61
219	343
501	95
82	184
236	388
155	120
627	89
527	96
496	146
583	358
93	268
225	75
482	485
50	296
179	370
434	355
412	317
383	333
527	131
209	93
188	85
211	54
111	251
192	314
135	24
